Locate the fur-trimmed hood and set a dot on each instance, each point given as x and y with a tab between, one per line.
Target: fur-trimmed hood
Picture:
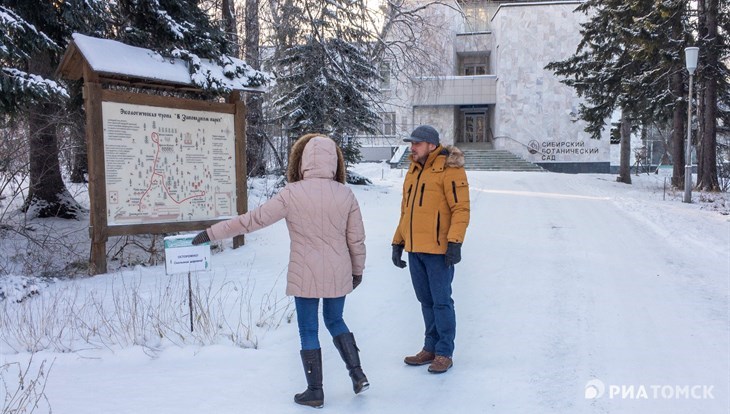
316	156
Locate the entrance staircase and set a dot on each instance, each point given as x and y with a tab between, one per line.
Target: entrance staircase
485	160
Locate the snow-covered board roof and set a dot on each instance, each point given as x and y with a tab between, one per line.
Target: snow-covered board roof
110	58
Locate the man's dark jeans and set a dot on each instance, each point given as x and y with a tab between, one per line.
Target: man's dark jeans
432	282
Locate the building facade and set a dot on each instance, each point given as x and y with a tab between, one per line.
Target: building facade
492	91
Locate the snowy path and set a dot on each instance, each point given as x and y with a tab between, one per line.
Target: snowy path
559	286
579	290
564	279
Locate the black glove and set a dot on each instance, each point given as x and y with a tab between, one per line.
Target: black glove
201	238
397	253
453	254
356	280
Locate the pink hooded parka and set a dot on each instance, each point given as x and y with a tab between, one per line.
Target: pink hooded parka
323	217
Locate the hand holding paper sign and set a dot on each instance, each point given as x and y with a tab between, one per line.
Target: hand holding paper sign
201	238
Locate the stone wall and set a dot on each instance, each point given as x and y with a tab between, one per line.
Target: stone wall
535	114
439	117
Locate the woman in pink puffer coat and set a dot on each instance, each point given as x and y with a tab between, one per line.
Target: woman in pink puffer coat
327	254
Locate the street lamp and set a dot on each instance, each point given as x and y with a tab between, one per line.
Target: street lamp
690	54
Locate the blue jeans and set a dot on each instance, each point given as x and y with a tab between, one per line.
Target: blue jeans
432	282
308	319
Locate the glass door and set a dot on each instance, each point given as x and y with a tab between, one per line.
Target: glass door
475	128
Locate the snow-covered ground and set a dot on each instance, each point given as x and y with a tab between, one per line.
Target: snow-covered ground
576	294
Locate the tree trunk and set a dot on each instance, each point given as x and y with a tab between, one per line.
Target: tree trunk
624	170
47	194
80	159
254	109
230	25
679	131
679	115
707	142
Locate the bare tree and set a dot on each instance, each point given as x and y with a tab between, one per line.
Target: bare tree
405	34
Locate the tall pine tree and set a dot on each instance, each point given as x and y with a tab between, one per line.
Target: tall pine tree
662	34
632	57
601	69
33	35
326	83
713	76
628	60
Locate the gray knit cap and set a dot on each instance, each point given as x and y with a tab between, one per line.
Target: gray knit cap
424	133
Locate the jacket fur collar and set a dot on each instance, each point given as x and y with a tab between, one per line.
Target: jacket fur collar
454	158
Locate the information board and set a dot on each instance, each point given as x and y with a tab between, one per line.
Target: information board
167	165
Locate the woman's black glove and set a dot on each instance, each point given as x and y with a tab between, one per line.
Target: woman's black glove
201	238
356	280
453	254
397	253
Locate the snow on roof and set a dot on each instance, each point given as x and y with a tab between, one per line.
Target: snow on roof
111	57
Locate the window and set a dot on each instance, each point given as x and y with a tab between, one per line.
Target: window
385	75
475	69
473	65
477	16
387	120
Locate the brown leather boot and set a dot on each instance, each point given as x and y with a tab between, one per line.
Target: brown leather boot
440	364
422	358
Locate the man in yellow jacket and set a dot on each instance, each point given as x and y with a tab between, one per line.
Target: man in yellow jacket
433	221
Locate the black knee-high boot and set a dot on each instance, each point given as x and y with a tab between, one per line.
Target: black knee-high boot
313	396
345	343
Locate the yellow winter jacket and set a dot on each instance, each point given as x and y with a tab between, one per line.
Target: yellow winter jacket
435	205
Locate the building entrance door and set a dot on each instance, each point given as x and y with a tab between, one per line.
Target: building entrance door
475	128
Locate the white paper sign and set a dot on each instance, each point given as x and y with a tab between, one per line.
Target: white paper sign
182	257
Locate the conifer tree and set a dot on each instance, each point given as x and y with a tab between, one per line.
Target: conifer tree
603	70
662	34
33	35
180	28
714	81
326	82
632	57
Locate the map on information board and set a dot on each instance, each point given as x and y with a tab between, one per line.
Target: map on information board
167	165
